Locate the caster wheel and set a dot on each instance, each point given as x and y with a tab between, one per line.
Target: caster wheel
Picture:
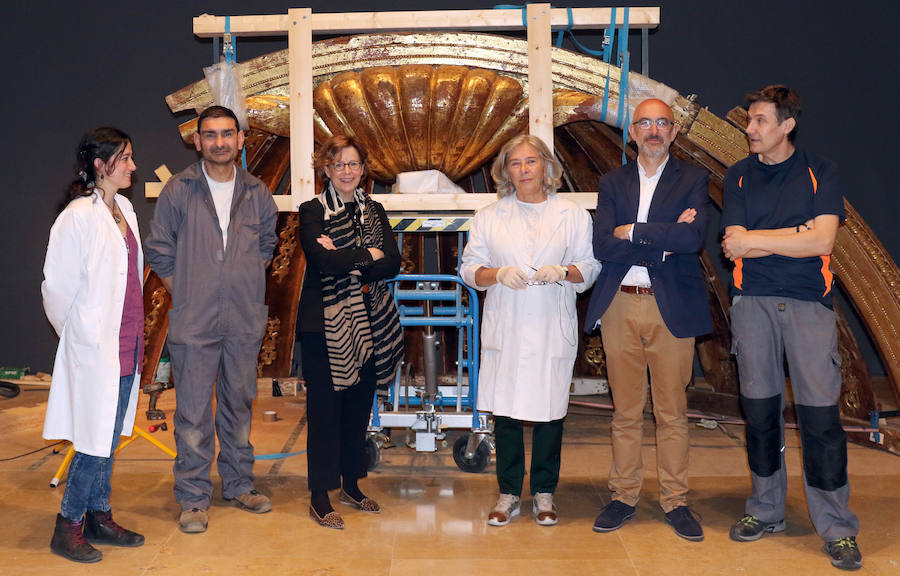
373	453
479	460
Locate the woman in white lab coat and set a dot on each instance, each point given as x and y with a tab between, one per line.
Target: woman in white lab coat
531	250
92	294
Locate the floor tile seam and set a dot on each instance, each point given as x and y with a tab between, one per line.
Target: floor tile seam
151	564
627	553
288	446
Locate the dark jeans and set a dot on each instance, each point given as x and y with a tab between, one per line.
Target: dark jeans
545	455
88	482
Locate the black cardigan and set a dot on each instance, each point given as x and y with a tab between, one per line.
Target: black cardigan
320	261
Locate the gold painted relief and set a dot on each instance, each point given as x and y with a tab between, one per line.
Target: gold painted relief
268	352
287	244
420	117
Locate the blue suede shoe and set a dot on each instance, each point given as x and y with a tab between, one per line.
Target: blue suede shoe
684	523
613	516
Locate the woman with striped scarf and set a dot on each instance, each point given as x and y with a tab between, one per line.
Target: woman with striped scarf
348	326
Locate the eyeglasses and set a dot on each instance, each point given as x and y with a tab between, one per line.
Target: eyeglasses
352	165
646	123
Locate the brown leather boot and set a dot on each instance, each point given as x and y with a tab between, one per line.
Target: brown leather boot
68	541
100	528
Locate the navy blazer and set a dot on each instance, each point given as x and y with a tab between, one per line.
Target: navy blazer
677	282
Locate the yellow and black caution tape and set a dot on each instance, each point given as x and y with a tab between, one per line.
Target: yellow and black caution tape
431	224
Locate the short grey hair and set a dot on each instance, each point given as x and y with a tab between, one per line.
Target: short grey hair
552	168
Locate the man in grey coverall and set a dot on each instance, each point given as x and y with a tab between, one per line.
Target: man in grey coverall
211	239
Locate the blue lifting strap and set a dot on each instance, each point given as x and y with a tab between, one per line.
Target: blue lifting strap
624	91
579	45
608	39
229	48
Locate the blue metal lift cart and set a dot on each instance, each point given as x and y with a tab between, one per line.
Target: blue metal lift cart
436	301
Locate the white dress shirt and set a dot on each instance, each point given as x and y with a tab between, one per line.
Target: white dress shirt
638	275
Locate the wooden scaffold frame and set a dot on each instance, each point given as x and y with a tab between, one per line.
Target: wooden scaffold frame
299	25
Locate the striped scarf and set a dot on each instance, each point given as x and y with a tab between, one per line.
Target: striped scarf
360	320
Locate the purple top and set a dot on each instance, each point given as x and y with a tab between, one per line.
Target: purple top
131	332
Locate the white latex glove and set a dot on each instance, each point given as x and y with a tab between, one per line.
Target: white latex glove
550	273
512	277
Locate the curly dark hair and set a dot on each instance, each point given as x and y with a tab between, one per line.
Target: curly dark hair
107	144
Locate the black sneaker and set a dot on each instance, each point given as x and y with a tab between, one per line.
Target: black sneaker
685	524
750	528
844	553
613	516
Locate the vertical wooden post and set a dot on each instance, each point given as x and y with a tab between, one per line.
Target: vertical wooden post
540	70
303	184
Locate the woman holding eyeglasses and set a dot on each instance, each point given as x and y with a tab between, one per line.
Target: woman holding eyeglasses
348	327
531	250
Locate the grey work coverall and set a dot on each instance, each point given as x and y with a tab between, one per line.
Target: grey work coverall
216	324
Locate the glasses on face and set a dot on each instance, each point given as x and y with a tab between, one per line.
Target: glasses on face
646	123
353	165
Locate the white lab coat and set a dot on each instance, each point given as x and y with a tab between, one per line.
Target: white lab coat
85	274
529	338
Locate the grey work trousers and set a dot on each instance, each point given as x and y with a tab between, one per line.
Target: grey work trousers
227	365
765	330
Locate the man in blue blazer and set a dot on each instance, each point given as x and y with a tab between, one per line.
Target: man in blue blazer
650	302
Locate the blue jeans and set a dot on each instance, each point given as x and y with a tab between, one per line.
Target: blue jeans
88	483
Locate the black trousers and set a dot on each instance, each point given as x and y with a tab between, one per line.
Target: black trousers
336	420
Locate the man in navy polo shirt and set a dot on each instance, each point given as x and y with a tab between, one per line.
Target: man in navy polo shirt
783	207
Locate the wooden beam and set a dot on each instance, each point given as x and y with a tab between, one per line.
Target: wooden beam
540	77
418	203
207	25
303	182
300	24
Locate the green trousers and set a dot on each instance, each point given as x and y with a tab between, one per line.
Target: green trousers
546	440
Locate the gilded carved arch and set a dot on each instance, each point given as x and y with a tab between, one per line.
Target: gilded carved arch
450	100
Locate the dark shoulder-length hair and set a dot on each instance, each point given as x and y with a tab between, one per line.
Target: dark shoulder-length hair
107	144
552	179
329	151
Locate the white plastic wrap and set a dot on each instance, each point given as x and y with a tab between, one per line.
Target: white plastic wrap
225	85
425	182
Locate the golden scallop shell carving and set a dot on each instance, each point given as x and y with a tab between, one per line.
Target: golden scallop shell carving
419	117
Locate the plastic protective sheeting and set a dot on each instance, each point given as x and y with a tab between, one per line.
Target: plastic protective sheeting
225	85
425	182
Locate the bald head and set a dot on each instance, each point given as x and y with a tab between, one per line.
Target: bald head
653	130
653	108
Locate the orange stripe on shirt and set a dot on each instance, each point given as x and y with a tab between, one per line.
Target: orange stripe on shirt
827	275
738	273
815	182
741	182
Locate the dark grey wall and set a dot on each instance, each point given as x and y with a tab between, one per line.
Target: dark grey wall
70	66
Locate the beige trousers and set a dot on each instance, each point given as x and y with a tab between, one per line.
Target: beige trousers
635	337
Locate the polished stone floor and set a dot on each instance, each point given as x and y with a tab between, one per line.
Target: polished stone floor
434	515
